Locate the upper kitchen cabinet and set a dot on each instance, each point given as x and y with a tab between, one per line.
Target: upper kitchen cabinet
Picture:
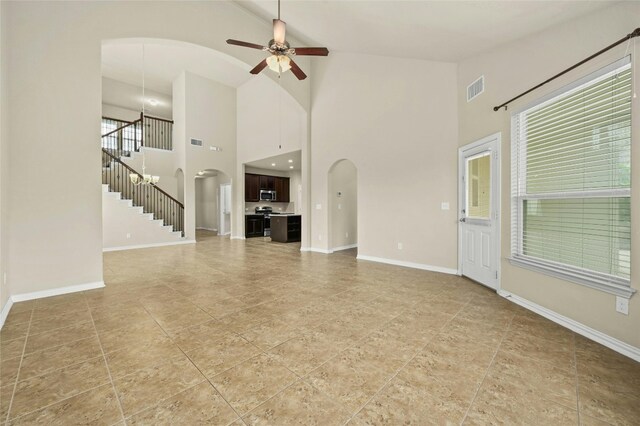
251	187
282	189
268	183
253	184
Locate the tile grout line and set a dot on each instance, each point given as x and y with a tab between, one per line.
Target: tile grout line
475	395
15	385
301	378
575	366
192	363
407	363
104	358
62	400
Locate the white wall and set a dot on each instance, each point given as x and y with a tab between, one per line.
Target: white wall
206	110
397	122
343	204
509	71
4	158
124	101
55	237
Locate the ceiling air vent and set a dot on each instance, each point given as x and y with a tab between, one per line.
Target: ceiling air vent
196	142
475	88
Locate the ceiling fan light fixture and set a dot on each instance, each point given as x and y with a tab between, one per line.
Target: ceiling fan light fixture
279	31
279	63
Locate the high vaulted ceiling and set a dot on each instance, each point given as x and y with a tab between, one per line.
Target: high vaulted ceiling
434	30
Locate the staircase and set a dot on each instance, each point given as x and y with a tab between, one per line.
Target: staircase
143	214
126	225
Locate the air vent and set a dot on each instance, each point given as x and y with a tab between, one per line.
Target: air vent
475	88
196	142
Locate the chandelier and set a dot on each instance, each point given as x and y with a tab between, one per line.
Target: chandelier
135	178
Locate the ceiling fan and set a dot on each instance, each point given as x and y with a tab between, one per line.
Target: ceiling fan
281	52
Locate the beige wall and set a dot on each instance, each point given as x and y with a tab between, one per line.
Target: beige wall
513	69
4	158
396	120
56	233
207	193
343	204
206	110
261	136
122	101
124	226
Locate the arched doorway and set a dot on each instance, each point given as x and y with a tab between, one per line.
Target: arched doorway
343	206
212	203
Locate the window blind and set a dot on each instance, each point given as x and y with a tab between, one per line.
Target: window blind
571	179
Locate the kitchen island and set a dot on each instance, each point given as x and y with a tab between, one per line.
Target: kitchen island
286	228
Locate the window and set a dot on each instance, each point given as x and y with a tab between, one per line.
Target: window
571	186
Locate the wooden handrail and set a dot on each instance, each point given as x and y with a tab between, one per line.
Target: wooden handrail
136	172
119	128
159	119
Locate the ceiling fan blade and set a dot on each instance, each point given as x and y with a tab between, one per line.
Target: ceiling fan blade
279	31
295	69
311	51
245	44
262	65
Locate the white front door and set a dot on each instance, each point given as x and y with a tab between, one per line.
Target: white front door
479	201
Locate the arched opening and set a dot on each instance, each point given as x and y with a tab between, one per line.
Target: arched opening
343	207
212	204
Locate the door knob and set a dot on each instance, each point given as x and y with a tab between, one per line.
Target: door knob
464	219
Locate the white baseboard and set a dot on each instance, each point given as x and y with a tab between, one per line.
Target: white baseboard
56	291
316	250
233	237
409	264
5	311
208	229
350	246
586	331
142	246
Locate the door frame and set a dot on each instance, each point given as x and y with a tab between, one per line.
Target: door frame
496	188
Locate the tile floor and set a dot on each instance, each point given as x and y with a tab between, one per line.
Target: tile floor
251	332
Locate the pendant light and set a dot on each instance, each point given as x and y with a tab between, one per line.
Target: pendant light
135	177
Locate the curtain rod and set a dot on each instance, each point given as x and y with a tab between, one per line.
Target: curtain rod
635	33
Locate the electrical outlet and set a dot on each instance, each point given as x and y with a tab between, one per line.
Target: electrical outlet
399	246
346	234
444	205
4	277
320	237
339	206
318	206
128	236
622	305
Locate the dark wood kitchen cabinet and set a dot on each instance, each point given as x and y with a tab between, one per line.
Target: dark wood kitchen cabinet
282	189
268	183
286	228
251	187
253	183
254	225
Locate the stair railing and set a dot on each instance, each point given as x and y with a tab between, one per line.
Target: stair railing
151	198
151	132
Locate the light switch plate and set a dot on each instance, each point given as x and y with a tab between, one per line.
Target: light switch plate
318	206
444	205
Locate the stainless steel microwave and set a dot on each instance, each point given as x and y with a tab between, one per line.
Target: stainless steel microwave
267	195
